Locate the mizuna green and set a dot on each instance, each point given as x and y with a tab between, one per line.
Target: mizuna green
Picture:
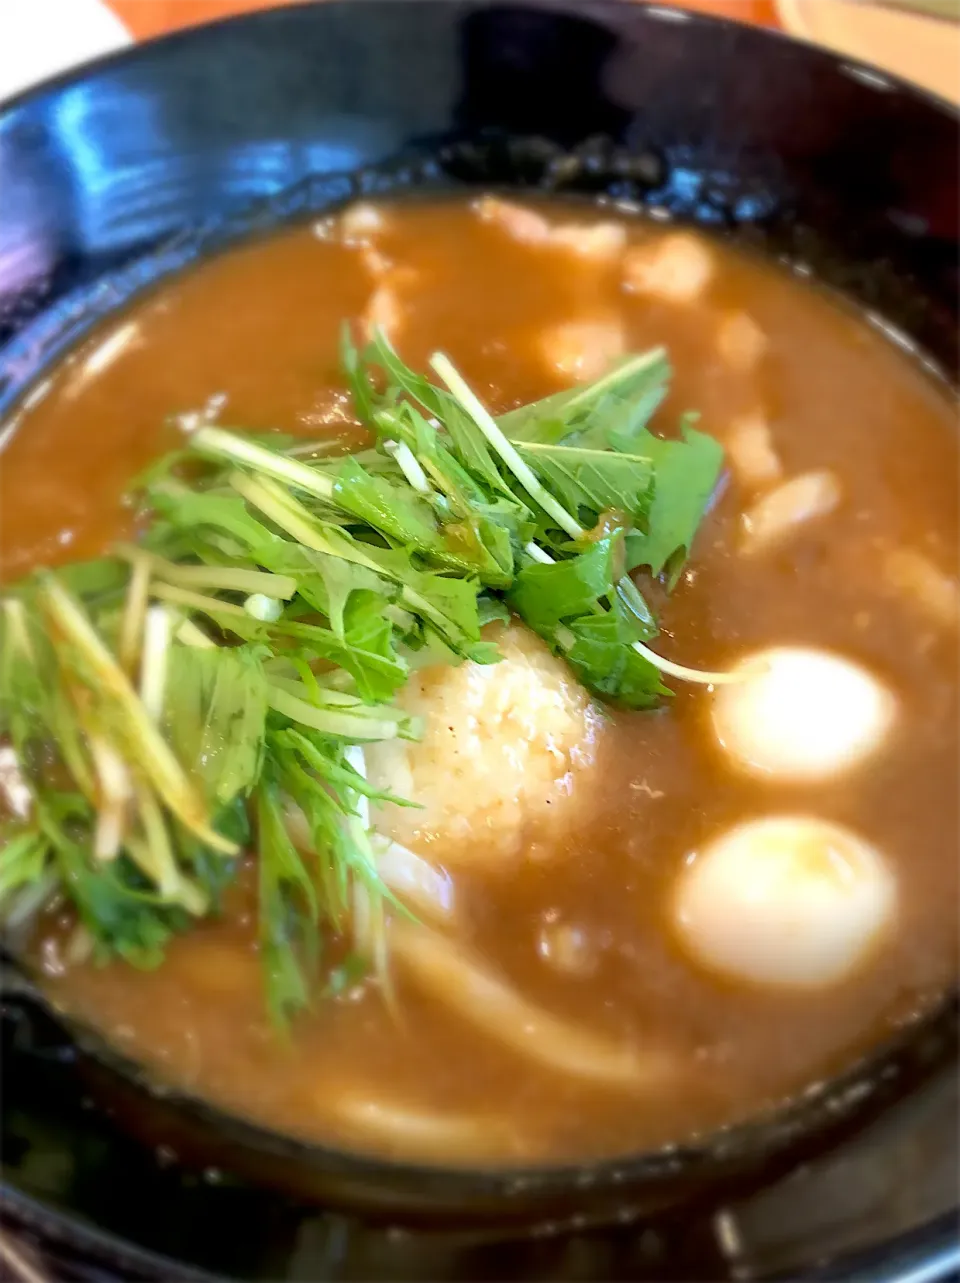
210	689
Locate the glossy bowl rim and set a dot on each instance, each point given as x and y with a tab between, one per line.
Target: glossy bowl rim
871	1082
645	10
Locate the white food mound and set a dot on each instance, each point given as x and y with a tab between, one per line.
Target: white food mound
502	748
801	713
793	901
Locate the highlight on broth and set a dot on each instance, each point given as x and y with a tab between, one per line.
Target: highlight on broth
497	761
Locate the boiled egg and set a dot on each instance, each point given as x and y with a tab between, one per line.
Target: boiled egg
801	713
787	900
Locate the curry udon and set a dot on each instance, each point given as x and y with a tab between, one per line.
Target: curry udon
607	927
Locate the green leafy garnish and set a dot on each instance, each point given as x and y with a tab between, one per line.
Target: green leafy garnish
592	482
686	473
212	687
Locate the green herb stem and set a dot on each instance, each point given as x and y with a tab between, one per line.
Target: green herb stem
702	676
144	739
346	726
485	421
219	578
196	692
218	444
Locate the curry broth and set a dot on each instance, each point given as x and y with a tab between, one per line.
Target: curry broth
257	331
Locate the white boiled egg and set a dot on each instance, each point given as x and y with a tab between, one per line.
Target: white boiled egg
801	713
788	900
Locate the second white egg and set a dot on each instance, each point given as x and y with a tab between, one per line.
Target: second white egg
791	901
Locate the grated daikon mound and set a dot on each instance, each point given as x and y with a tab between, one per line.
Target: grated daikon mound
500	763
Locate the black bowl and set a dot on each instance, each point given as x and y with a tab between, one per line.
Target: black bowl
132	167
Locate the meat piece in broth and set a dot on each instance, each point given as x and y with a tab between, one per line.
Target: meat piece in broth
583	350
675	269
526	226
386	310
601	243
361	224
740	342
921	583
784	511
751	452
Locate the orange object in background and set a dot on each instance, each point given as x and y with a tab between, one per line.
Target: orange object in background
145	18
761	12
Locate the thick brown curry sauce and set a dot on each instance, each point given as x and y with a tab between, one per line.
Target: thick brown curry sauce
253	337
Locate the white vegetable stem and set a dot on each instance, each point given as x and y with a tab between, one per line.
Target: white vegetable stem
487	425
267	609
618	374
703	676
408	465
368	934
153	661
354	755
116	790
226	445
536	553
495	438
190	635
134	611
157	758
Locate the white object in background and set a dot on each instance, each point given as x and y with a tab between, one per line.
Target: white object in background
924	50
41	38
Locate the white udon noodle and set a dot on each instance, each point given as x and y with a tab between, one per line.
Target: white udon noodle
432	1133
451	975
425	888
515	733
